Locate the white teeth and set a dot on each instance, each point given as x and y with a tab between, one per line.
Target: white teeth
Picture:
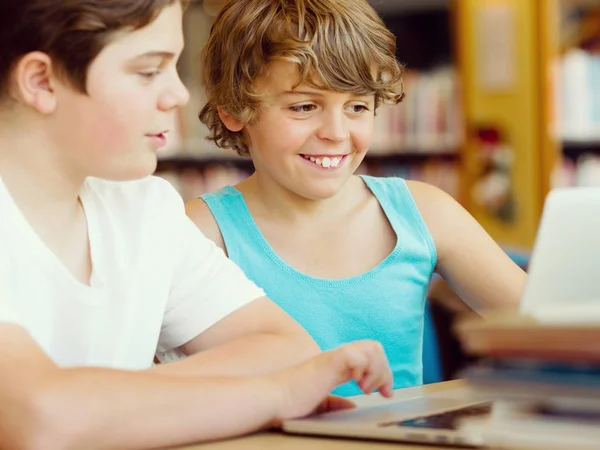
326	161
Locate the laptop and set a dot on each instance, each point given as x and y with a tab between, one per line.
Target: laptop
561	285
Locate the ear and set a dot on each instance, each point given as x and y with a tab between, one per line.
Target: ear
33	80
230	121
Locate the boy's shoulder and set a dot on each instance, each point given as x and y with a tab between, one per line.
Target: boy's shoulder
421	192
446	219
425	191
199	212
429	196
434	204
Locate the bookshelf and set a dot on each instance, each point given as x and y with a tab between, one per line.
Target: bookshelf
497	46
419	139
578	93
540	91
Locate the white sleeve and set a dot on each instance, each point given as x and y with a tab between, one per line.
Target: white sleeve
207	286
8	314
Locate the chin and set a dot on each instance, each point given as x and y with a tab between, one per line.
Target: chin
130	170
323	192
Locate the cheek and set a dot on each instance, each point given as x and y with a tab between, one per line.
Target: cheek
280	137
111	127
362	134
294	134
118	112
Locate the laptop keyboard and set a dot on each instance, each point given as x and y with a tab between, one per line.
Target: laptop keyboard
448	420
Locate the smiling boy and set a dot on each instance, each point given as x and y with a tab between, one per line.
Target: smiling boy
296	85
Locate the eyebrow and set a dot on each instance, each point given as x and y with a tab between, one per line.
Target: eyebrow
156	54
313	93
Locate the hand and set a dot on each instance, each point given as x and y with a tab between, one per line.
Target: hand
305	388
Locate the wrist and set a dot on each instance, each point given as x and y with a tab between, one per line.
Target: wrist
275	397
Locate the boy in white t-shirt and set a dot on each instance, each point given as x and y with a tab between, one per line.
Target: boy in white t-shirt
100	268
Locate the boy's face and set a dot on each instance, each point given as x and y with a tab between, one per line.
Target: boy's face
306	139
134	90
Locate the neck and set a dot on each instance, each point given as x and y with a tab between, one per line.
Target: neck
37	178
278	203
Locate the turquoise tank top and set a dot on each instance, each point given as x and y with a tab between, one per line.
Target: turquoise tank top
386	303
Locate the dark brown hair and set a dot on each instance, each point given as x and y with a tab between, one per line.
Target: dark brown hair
343	42
71	32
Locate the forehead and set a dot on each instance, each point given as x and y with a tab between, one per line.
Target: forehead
281	76
278	75
164	34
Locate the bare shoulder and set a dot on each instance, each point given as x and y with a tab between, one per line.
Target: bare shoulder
199	212
433	203
446	219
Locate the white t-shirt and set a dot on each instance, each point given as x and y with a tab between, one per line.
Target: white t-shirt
157	281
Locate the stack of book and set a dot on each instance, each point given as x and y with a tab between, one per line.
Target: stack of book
542	377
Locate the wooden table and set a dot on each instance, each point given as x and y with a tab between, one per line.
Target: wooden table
281	441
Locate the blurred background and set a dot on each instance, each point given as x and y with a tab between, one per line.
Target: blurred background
502	105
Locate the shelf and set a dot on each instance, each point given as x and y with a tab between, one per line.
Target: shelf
196	162
411	157
574	149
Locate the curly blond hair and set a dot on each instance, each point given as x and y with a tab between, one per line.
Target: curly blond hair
344	43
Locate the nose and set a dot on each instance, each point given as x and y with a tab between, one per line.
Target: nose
175	96
334	127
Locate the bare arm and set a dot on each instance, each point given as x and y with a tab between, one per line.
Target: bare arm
256	339
51	408
47	407
478	270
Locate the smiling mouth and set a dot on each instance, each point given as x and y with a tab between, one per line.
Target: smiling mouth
325	161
